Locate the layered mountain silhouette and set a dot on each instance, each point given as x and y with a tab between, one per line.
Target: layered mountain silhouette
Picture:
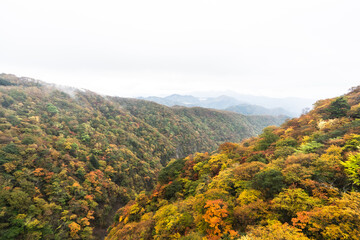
243	104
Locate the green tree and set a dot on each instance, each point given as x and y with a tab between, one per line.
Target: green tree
291	201
172	189
266	139
94	162
338	108
270	182
352	168
51	109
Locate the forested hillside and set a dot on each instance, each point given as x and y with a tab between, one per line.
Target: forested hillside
197	129
297	181
70	158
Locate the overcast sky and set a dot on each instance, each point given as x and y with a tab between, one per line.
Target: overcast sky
307	48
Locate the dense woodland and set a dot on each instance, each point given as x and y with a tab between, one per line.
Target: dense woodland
298	181
69	159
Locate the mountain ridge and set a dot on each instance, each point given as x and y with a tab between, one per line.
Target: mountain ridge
221	102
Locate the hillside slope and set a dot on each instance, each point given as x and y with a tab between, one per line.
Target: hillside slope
69	158
298	181
197	129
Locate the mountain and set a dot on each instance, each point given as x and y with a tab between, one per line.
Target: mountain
69	158
292	104
168	101
183	99
197	129
248	109
222	102
297	181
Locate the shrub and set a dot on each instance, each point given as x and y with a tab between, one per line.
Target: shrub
269	182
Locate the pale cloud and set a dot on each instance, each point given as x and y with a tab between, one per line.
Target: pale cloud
283	48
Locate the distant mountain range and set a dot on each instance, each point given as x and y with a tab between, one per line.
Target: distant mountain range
248	109
243	104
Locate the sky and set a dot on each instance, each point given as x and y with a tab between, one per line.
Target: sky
287	48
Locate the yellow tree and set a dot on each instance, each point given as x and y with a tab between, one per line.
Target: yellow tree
340	220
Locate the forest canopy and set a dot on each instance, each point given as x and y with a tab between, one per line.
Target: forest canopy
69	158
297	181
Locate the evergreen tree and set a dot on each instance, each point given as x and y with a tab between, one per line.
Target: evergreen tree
338	108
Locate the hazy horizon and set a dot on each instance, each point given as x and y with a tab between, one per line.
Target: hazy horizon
306	49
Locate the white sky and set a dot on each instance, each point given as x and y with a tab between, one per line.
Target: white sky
307	48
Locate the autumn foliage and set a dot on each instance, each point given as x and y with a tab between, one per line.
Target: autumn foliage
299	181
74	163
